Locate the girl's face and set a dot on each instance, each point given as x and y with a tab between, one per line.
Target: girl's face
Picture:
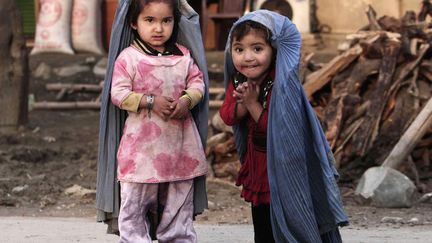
252	55
155	24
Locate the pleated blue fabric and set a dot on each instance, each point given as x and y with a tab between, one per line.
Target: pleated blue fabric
112	118
305	200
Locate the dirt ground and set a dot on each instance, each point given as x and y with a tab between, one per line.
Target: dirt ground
57	149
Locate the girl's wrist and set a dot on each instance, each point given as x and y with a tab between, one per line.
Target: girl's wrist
251	104
187	99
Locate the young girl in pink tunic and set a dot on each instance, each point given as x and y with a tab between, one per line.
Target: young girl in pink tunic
160	152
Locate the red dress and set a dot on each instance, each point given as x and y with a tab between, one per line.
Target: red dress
253	172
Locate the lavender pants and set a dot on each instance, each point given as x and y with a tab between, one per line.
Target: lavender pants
173	200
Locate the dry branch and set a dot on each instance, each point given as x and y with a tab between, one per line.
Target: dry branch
411	137
66	105
74	87
318	79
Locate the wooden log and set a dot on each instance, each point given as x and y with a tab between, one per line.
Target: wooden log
358	112
393	124
411	137
425	142
369	129
318	79
216	139
419	25
216	90
321	77
217	93
407	70
345	96
373	23
74	87
61	94
425	10
414	42
425	90
224	148
390	24
426	69
14	78
215	104
304	63
66	105
350	131
219	125
368	34
414	90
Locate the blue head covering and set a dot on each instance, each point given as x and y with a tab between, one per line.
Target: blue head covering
112	118
305	201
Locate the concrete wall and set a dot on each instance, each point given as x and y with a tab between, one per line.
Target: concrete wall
301	15
346	16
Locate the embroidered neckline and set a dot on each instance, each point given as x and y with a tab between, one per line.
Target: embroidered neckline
147	49
266	91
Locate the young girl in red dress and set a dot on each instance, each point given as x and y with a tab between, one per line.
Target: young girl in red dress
246	101
287	173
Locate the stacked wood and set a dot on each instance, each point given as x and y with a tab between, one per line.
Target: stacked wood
221	151
65	89
366	98
369	95
216	95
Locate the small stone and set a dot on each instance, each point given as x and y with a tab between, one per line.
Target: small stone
391	220
19	189
42	71
414	221
71	70
90	60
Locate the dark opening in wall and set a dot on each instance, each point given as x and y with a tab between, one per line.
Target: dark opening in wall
280	6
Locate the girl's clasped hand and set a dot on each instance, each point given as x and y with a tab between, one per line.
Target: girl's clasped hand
168	108
180	108
246	93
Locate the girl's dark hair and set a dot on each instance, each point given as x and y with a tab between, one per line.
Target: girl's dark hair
245	27
136	6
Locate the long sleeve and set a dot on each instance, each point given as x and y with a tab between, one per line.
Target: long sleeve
122	94
228	108
121	85
194	85
195	77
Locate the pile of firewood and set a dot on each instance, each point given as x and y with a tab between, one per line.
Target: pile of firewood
368	96
220	151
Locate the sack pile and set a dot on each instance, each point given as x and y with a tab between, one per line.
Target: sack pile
68	26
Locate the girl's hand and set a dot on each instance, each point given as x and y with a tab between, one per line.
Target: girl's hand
162	106
181	108
250	95
238	93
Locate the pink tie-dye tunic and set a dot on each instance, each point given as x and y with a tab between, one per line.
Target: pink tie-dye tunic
152	150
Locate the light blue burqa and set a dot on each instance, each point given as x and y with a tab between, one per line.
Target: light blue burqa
305	201
112	118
